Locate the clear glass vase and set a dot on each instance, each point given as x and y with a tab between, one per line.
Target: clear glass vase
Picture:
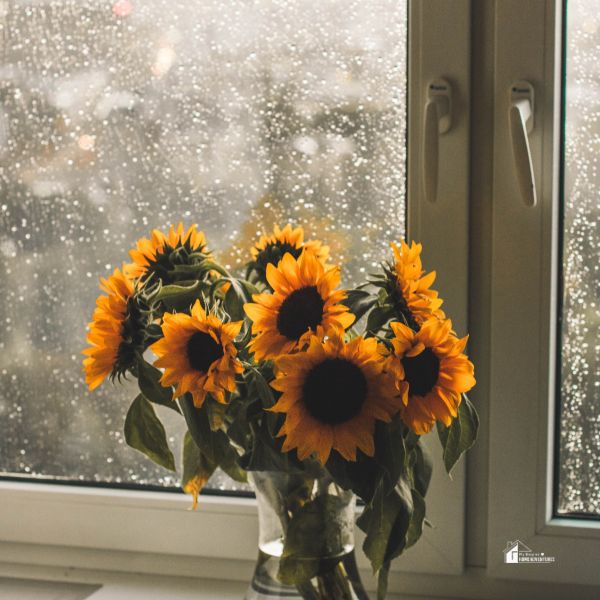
306	539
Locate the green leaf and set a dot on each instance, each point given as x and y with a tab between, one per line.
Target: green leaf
461	434
390	451
361	476
235	298
240	412
382	581
423	469
364	475
294	570
313	532
150	386
213	444
415	528
178	296
386	521
145	432
209	265
266	453
264	390
359	302
378	317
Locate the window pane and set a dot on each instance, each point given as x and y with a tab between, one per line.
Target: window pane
117	117
579	471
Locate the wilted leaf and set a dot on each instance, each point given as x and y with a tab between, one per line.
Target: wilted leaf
197	469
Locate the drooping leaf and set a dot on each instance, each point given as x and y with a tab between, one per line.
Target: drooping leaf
145	432
197	469
390	450
422	469
149	384
415	528
382	581
460	435
213	444
386	521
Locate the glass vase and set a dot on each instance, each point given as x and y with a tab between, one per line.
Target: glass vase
306	539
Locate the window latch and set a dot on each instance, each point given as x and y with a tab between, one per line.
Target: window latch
520	117
437	121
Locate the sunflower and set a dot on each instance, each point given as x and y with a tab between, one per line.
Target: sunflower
198	354
270	249
303	303
408	287
159	254
110	352
431	373
332	395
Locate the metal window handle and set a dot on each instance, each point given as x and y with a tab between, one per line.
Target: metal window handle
437	121
520	117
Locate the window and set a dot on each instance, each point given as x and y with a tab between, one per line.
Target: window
121	116
528	350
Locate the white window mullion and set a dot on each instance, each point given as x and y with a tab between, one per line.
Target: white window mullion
440	36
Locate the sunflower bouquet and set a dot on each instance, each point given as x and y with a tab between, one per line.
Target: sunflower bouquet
278	370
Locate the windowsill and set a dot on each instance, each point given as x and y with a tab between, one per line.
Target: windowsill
122	587
70	583
67	583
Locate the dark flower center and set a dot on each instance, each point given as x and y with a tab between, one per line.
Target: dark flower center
202	351
421	372
300	311
334	391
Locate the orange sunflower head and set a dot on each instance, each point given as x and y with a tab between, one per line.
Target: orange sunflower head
159	255
270	249
331	396
431	373
198	355
408	288
304	302
115	332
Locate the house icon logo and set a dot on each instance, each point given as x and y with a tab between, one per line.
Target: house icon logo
518	553
514	549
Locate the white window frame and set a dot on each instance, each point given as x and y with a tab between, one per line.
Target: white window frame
522	350
140	531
